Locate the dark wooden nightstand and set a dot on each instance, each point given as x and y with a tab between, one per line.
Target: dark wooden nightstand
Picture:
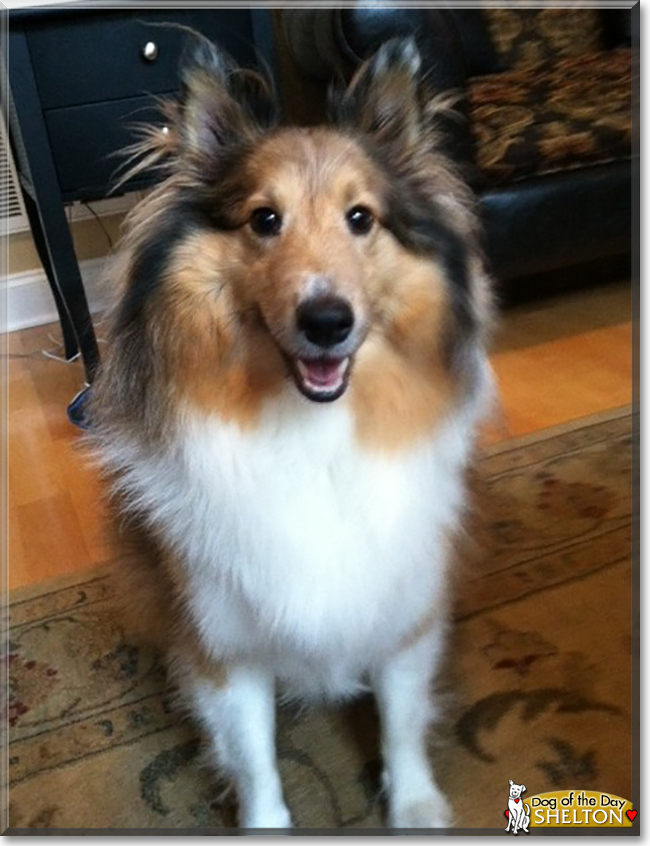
79	79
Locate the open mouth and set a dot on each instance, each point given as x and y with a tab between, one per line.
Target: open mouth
321	379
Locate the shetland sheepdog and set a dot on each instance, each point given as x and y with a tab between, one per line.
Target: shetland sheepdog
289	398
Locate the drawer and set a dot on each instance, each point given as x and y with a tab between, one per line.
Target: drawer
84	141
93	57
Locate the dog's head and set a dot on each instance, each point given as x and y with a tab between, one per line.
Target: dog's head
516	790
327	253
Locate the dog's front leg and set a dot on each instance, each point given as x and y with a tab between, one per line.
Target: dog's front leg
238	712
402	689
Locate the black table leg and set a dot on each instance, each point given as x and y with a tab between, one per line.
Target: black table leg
40	181
67	329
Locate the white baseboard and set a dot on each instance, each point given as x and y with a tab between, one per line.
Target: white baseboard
30	301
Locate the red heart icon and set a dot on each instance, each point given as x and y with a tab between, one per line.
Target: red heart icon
516	801
631	815
506	813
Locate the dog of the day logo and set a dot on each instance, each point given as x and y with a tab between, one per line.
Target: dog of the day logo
567	809
518	812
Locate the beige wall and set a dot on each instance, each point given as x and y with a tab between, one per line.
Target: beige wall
89	241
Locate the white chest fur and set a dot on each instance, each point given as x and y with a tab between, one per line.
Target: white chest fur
297	543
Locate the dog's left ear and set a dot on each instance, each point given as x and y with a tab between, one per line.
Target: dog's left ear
523	788
383	98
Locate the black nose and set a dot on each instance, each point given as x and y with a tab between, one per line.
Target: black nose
325	321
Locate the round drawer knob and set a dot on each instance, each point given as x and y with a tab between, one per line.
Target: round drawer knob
150	51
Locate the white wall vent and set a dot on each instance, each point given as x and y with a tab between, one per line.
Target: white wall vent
13	217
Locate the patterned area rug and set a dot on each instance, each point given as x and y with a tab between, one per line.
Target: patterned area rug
538	686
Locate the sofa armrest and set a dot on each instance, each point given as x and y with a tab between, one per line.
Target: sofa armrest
330	43
361	31
325	43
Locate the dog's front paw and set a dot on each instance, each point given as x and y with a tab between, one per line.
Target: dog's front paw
270	818
430	811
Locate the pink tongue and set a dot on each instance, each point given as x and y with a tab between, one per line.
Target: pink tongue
323	372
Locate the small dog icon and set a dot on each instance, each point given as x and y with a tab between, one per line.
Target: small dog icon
518	811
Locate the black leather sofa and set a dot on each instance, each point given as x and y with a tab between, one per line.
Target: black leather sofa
543	131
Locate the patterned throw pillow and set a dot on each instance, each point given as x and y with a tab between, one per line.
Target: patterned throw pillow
569	113
525	37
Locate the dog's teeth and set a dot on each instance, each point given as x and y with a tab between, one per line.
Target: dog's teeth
321	376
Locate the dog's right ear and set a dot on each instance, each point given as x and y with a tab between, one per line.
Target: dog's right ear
511	781
221	104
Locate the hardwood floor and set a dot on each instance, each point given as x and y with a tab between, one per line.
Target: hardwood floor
564	358
556	361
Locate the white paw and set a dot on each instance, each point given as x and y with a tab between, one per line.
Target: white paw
278	817
431	811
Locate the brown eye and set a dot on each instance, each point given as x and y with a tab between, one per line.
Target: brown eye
360	220
265	222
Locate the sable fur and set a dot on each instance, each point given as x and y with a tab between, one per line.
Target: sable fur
214	131
283	531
